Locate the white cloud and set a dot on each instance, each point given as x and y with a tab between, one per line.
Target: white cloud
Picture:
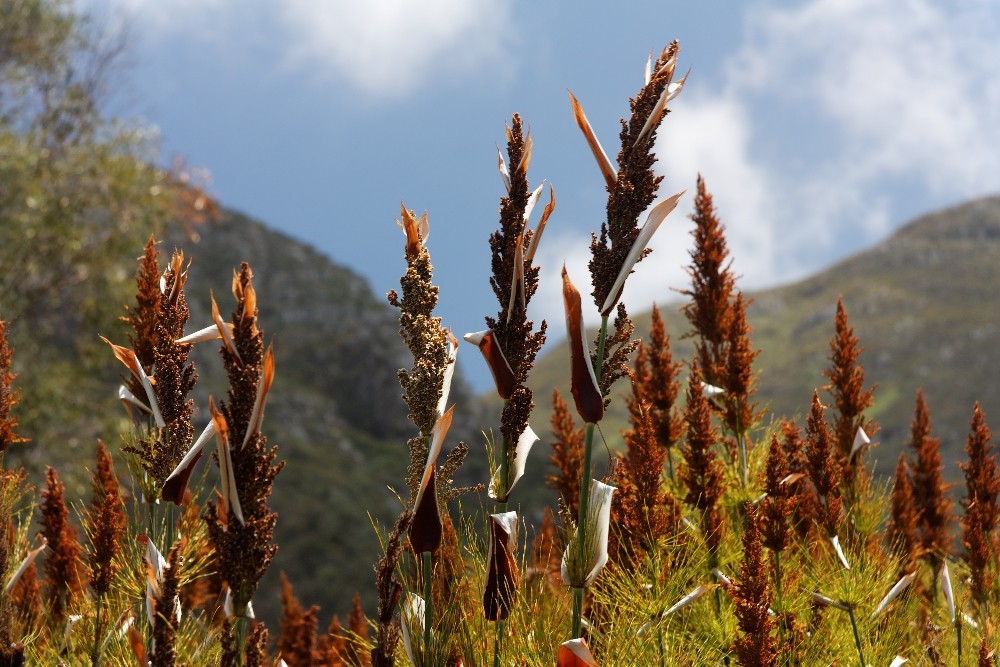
389	46
384	48
836	120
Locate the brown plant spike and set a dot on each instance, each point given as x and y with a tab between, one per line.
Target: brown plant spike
929	489
824	470
901	533
64	578
662	388
9	397
752	598
703	473
357	653
635	185
642	510
244	549
778	505
514	281
167	622
389	592
850	397
298	627
107	524
143	317
712	287
566	456
739	381
982	511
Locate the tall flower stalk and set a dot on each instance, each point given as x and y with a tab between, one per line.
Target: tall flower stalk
510	344
240	524
425	391
621	244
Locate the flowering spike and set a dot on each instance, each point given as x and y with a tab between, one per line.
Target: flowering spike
584	386
607	169
670	91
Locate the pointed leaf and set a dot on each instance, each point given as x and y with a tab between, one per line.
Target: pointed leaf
607	169
175	484
201	335
225	332
653	220
263	387
537	236
502	168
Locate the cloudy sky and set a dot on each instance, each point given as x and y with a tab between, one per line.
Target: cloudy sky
819	125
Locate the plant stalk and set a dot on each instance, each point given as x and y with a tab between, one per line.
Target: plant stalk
581	523
428	601
857	636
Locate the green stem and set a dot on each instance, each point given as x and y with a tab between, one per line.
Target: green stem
578	612
777	596
497	643
670	462
94	654
581	522
857	636
428	602
958	631
659	644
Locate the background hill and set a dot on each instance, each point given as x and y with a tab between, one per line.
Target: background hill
925	305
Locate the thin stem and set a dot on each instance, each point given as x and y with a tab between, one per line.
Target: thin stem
776	557
857	635
94	654
428	602
958	631
578	612
497	643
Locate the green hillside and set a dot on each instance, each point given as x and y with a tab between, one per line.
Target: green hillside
925	305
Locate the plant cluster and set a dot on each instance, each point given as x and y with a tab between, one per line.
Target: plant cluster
721	535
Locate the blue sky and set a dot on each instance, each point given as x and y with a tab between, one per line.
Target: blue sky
819	125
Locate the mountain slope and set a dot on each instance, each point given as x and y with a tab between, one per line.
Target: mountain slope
925	305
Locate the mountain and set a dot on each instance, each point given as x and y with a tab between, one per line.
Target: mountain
925	305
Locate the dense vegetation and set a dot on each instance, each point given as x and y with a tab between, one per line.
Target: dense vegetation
722	532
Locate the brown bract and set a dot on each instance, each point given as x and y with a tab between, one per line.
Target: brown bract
583	382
